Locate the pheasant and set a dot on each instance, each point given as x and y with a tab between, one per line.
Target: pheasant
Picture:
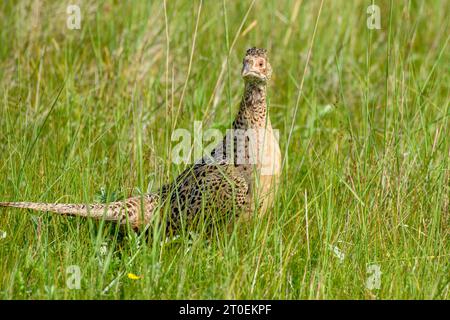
238	176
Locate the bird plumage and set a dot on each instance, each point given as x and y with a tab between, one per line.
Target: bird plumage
218	181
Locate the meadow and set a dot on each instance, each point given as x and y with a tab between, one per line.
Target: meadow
86	115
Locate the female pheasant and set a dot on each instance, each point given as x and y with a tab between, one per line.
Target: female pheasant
239	175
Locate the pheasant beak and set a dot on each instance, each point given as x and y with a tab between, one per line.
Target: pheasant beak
248	72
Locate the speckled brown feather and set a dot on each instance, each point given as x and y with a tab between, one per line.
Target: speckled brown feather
127	211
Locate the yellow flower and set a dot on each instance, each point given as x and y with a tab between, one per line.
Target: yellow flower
132	276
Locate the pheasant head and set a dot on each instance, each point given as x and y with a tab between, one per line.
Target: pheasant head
256	67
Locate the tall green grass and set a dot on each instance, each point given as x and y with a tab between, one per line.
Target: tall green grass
87	115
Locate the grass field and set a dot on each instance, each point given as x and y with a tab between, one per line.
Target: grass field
363	114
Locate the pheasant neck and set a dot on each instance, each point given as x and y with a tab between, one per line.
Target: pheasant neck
253	109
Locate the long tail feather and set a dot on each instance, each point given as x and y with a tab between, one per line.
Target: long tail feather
136	210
